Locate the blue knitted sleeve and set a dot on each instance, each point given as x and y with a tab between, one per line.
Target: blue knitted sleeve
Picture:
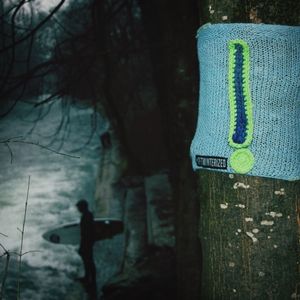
249	103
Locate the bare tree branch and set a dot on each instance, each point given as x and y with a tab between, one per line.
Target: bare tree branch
46	148
13	140
5	271
22	240
31	251
10	152
13	49
50	98
3	248
34	30
8	11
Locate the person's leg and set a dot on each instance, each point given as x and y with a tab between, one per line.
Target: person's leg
93	284
91	274
89	266
85	260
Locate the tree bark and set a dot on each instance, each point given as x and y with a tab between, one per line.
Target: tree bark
175	71
248	225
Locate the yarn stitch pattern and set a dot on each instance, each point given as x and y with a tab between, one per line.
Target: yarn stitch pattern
249	100
241	120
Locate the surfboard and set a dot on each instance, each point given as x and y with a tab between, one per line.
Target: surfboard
105	228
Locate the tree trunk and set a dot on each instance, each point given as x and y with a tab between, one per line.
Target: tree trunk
135	220
172	25
248	225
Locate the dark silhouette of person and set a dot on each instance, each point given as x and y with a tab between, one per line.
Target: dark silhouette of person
87	239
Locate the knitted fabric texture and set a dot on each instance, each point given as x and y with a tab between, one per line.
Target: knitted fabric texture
249	108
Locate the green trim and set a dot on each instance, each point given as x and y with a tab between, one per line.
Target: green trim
246	93
242	161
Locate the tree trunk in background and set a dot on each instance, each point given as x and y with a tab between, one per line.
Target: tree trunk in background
175	71
235	265
135	219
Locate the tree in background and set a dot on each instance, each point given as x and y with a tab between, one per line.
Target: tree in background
22	58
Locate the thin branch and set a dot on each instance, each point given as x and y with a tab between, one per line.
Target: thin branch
46	148
10	152
29	53
34	30
22	240
13	49
8	12
50	98
63	27
20	84
24	253
10	139
14	253
13	140
31	251
35	120
24	83
90	137
35	69
3	248
3	234
43	111
5	272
